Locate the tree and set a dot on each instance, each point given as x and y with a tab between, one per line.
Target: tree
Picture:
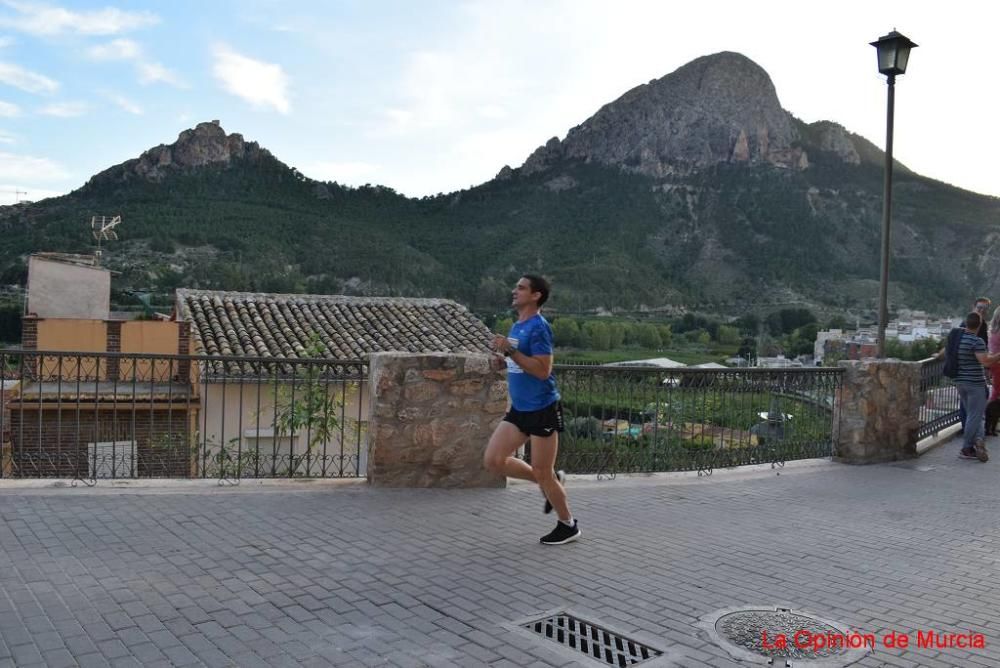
837	322
599	335
728	335
631	333
802	341
306	406
503	326
747	324
666	335
617	334
566	332
698	336
787	320
649	336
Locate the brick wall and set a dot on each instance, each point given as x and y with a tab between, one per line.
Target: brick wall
114	345
54	443
184	348
29	333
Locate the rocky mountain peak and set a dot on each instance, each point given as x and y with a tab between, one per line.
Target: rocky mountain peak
717	108
205	144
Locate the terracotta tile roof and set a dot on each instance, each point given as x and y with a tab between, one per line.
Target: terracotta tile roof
247	324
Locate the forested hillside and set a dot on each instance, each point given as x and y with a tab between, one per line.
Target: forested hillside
663	200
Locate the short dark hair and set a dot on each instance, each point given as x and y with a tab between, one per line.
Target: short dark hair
539	284
973	321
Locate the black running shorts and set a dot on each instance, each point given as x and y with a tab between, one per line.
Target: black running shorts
544	422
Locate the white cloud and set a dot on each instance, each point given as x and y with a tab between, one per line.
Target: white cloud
16	167
259	83
150	72
129	50
9	110
7	138
46	20
125	104
26	80
341	172
116	49
65	109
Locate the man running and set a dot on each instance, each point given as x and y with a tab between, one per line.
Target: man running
535	411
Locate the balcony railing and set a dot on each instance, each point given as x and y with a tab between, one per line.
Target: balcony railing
940	399
88	416
647	419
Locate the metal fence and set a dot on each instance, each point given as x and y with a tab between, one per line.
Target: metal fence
89	416
646	419
940	398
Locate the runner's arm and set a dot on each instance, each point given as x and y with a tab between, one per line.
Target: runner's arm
539	366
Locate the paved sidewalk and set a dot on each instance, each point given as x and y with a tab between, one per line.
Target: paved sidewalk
321	575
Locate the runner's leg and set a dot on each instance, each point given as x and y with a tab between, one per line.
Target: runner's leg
543	460
499	456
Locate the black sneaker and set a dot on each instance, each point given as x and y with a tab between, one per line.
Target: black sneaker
562	534
561	477
967	453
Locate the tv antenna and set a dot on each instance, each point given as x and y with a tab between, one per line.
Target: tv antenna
16	193
103	229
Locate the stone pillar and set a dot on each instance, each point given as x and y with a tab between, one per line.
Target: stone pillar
878	413
431	417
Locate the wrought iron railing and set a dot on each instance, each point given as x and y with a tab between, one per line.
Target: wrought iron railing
939	408
647	419
89	416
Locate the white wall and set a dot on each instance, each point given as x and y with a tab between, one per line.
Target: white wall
63	290
241	415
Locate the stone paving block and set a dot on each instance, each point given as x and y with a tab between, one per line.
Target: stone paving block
25	654
97	660
48	641
180	655
59	658
277	568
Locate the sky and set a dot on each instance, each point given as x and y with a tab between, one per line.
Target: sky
436	96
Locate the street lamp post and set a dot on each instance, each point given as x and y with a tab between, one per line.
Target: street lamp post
893	54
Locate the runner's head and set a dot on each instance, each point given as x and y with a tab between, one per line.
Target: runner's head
539	285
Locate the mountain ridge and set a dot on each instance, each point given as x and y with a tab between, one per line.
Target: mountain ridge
695	189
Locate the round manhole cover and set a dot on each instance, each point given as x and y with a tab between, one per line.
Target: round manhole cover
782	637
781	634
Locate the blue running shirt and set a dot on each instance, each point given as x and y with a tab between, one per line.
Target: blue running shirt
528	393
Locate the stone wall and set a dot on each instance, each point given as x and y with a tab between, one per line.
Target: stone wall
878	415
431	417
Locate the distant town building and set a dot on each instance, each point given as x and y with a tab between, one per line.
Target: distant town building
863	341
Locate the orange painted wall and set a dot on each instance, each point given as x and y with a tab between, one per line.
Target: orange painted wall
71	335
149	336
90	336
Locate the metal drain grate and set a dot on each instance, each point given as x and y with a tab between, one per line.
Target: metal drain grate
595	641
